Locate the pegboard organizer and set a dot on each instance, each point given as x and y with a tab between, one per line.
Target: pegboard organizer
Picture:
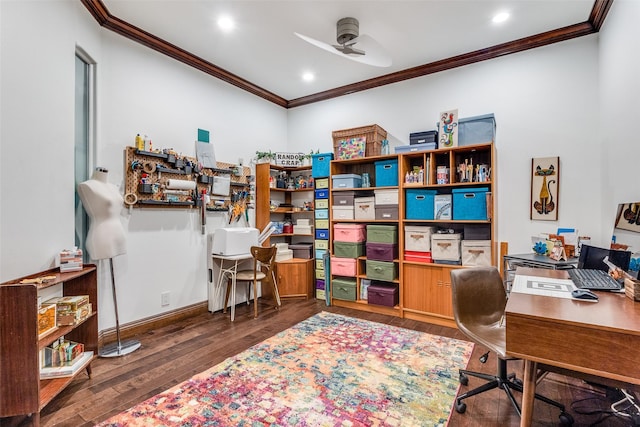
147	173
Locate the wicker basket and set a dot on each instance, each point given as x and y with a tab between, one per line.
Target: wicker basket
374	135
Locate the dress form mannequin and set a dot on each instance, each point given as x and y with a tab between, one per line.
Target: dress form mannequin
103	202
106	239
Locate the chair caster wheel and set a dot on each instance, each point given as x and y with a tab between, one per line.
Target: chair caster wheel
518	381
460	407
484	357
566	419
464	380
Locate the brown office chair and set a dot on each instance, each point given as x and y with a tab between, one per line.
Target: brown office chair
479	301
263	264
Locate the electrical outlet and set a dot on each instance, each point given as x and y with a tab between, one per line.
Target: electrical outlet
164	298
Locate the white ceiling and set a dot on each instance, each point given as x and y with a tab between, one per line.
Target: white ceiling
263	49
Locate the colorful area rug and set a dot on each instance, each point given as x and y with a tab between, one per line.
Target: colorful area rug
329	370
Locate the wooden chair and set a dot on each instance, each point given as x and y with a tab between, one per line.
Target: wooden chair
263	271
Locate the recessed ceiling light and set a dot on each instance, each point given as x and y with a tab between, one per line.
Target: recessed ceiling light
308	76
226	23
500	17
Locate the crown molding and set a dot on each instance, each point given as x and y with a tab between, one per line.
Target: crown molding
596	19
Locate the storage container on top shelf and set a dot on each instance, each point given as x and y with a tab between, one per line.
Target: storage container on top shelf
320	164
386	173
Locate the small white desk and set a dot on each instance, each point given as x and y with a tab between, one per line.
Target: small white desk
228	269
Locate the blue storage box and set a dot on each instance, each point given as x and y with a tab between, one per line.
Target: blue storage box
470	203
320	164
477	130
386	173
322	234
322	194
348	180
419	203
320	253
416	148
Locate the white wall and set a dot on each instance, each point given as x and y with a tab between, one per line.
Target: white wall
619	94
139	91
545	102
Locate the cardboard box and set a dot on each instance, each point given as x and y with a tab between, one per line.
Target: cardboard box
69	303
46	319
71	260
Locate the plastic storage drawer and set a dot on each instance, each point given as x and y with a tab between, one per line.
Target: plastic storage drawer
322	223
348	249
470	203
322	244
319	284
382	233
322	234
381	270
320	252
418	238
419	203
343	266
322	183
476	253
386	173
322	193
382	251
322	213
364	208
322	203
347	181
349	232
383	294
320	164
343	289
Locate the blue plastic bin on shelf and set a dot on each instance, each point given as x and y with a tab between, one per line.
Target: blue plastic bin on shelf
320	164
419	203
470	203
386	173
322	194
322	213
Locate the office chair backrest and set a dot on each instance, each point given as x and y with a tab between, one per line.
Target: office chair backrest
478	295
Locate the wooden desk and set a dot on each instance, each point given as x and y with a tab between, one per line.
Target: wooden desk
599	339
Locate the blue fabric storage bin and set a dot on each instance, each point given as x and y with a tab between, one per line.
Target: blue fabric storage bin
419	203
322	194
386	173
470	203
322	234
320	164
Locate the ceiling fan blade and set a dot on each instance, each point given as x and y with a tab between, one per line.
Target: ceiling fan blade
374	53
348	49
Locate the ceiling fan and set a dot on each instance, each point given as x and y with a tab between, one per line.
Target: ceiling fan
352	45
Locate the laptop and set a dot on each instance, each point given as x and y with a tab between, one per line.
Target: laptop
593	273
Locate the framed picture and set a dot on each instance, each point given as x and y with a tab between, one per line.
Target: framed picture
628	217
545	181
448	125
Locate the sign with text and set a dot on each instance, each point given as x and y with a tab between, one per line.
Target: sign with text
292	160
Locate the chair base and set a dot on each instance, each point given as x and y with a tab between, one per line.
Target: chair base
507	383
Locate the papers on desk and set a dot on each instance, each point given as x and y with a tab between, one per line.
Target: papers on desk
545	286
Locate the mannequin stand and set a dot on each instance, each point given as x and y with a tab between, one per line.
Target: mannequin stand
117	348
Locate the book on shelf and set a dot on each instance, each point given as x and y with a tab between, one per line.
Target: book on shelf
67	370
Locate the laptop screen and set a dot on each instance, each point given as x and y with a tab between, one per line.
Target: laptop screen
591	257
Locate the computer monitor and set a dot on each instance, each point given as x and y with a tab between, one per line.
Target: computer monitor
591	257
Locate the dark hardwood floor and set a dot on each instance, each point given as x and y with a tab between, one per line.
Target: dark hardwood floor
174	353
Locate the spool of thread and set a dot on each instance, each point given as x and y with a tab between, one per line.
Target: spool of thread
180	184
149	167
130	199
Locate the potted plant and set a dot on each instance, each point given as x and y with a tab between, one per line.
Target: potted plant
265	157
